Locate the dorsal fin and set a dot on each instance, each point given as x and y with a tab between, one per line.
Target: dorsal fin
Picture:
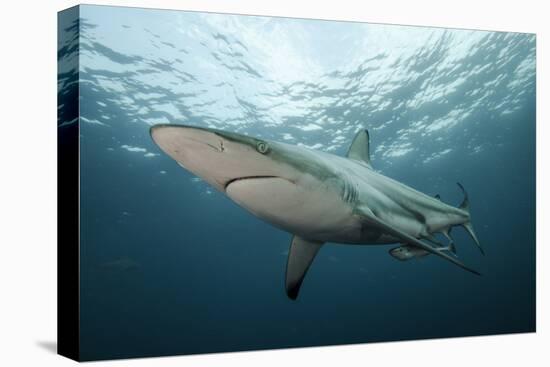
360	147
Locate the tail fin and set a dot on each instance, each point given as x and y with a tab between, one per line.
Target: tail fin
468	225
466	202
470	229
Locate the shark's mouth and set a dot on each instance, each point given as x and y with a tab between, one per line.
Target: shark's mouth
236	179
272	198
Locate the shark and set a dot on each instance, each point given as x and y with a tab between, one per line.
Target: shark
318	197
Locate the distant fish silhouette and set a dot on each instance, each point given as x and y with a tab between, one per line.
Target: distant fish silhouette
121	264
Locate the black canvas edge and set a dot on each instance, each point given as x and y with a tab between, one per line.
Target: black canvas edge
68	198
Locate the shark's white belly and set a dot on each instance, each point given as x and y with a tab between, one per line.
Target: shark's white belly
308	211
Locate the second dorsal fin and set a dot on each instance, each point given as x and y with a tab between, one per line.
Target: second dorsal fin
359	149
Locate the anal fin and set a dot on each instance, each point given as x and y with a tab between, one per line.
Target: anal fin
300	256
447	234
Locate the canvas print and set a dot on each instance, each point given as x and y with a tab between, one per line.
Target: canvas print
233	182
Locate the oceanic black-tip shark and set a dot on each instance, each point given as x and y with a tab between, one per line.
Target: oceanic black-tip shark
316	196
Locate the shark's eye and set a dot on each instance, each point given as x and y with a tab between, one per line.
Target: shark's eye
262	147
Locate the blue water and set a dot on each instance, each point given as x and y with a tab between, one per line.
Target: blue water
171	266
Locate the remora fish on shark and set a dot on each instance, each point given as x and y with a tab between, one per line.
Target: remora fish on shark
316	196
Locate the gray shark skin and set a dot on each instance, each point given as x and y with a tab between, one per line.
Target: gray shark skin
316	196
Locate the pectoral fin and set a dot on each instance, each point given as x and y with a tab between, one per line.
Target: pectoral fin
406	238
300	256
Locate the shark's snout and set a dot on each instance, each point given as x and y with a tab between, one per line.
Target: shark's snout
177	140
217	157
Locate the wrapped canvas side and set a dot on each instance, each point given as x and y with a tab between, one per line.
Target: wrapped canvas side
68	233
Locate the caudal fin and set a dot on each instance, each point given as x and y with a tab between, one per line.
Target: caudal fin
468	225
470	229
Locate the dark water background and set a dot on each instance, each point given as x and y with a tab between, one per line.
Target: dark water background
170	266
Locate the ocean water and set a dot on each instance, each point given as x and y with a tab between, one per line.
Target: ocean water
169	265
